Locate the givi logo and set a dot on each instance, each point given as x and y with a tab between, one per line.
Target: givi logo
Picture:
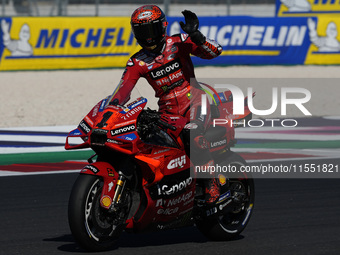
177	162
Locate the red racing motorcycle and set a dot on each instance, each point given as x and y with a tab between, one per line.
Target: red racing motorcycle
141	178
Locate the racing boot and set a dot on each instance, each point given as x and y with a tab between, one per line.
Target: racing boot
210	187
212	191
206	206
203	161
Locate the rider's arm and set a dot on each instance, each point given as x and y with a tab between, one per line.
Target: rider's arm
129	79
208	50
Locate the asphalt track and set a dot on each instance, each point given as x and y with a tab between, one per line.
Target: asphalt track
291	216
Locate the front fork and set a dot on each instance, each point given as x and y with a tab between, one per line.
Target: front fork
115	183
119	207
121	182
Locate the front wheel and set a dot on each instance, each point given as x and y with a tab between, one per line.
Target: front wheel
93	227
236	202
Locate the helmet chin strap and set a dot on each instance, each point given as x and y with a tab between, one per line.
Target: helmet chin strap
156	49
150	48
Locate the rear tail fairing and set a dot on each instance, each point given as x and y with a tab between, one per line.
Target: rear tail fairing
221	133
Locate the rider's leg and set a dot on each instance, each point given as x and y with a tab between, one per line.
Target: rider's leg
197	148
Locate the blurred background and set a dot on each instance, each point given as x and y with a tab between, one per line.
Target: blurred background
13	8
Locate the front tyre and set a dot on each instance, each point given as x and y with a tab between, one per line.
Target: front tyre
90	224
237	208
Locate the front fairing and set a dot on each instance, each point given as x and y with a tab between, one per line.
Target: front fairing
113	126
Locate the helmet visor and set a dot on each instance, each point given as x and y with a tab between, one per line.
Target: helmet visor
149	34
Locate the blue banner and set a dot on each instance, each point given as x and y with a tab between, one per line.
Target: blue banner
28	43
253	41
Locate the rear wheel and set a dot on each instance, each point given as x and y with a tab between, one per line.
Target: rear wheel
236	205
93	227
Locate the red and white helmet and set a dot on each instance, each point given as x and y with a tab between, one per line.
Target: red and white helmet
149	24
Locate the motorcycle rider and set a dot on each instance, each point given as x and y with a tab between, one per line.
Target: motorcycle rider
164	61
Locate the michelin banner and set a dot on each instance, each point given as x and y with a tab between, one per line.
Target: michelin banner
299	8
28	43
276	41
65	43
255	41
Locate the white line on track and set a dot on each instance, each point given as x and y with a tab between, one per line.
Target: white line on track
13	173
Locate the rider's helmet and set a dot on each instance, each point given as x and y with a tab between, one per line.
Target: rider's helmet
149	27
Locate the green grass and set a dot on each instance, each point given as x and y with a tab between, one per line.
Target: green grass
44	157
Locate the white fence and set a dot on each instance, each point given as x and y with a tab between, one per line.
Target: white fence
115	8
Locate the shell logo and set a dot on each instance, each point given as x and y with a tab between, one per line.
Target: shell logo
222	179
105	201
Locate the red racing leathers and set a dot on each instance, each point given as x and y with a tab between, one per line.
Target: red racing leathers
169	74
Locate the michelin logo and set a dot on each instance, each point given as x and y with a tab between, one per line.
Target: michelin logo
20	47
328	43
310	6
297	5
253	35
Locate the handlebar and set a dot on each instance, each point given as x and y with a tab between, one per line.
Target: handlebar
166	125
150	117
